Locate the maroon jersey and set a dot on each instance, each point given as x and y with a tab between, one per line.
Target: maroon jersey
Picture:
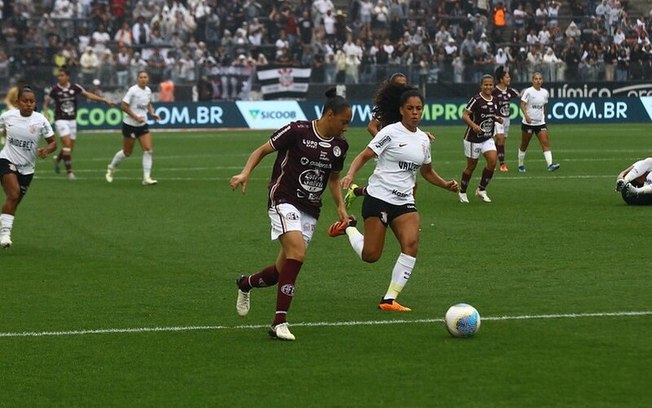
483	113
503	98
65	101
303	165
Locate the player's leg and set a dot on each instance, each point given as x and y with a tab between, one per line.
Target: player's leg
11	187
406	230
145	141
66	154
526	136
544	141
128	141
490	155
472	153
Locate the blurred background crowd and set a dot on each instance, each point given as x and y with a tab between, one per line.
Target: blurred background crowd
346	42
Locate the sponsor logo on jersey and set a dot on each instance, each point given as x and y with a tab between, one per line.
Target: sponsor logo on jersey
382	142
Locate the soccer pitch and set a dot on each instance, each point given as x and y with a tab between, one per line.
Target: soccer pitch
123	295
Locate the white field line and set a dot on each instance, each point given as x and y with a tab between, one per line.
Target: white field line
315	324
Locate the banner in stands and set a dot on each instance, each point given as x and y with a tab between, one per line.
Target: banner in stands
274	114
283	82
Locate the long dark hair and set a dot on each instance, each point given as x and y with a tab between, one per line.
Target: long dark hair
387	103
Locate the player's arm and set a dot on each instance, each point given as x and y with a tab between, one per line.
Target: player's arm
357	163
336	193
96	98
124	106
49	148
46	103
373	127
466	117
433	178
254	159
150	109
623	173
524	111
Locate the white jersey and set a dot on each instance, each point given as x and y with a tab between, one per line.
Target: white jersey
535	102
138	100
401	153
23	137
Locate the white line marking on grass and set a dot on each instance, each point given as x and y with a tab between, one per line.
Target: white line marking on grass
314	324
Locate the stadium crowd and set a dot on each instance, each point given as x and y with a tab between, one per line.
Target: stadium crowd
192	41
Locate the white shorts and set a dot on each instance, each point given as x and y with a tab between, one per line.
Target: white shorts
286	217
501	129
66	128
475	150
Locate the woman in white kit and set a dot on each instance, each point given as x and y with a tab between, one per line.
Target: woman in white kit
534	103
402	150
136	104
635	183
23	129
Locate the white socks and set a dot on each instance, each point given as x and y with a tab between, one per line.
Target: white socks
356	239
147	163
117	159
400	275
521	157
547	155
6	224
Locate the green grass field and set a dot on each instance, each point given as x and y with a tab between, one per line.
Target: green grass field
123	295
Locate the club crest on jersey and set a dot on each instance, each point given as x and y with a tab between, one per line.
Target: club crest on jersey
337	152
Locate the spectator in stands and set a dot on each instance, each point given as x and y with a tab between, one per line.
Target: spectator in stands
89	66
550	64
553	13
610	60
136	65
321	8
141	31
100	38
124	36
380	15
499	21
122	59
366	9
571	58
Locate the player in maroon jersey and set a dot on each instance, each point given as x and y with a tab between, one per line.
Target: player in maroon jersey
64	94
502	94
309	158
480	115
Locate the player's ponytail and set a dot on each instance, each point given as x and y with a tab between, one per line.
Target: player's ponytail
335	102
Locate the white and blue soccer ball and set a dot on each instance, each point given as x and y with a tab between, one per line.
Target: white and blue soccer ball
462	320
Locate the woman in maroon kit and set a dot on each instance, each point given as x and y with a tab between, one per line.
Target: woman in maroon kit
310	156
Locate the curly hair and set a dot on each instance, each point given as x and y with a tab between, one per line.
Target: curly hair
387	103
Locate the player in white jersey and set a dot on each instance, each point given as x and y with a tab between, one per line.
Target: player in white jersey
402	150
635	183
534	103
23	129
136	104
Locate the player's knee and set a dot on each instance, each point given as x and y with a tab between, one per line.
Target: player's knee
370	256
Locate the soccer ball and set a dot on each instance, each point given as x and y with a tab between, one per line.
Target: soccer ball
462	320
